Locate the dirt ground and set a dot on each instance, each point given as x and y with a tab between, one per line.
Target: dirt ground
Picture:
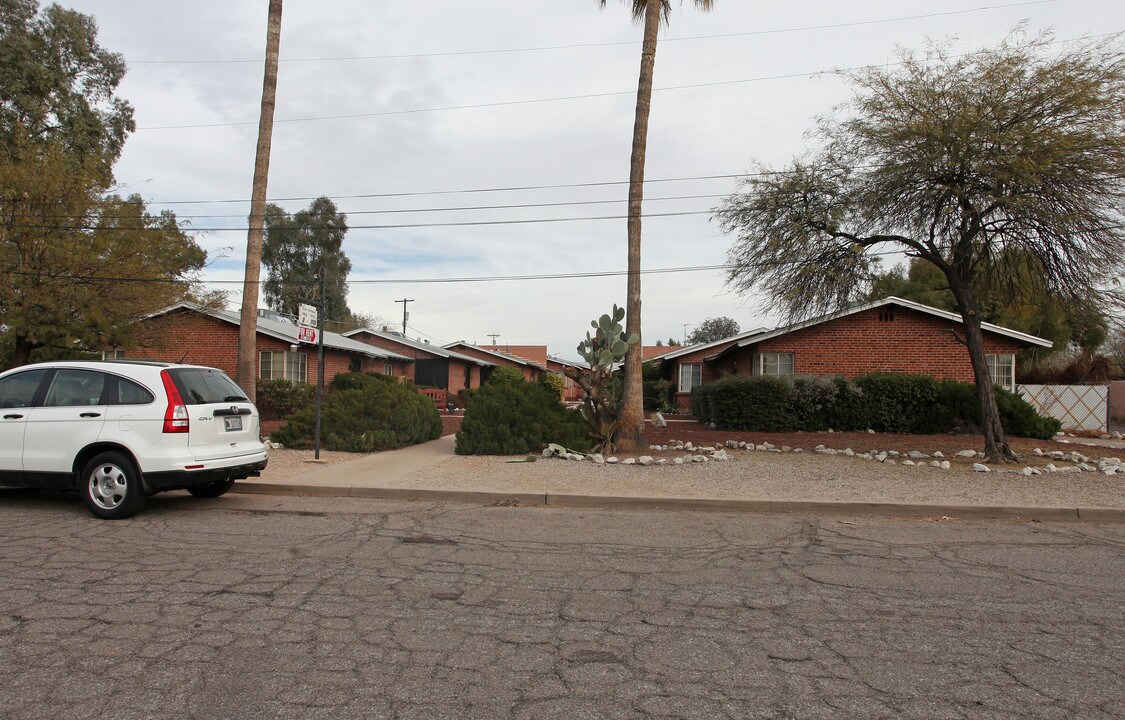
701	435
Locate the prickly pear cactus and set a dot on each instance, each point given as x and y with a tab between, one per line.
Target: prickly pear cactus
603	351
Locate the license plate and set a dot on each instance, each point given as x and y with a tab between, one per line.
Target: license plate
232	423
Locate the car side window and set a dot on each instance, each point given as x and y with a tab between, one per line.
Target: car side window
130	393
18	391
75	387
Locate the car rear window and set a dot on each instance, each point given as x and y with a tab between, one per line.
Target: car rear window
206	386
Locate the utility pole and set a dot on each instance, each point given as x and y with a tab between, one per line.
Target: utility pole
494	336
404	313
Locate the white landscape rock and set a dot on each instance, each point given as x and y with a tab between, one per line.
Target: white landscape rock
646	460
938	454
658	420
678	461
596	458
970	453
611	460
977	467
629	461
720	455
907	462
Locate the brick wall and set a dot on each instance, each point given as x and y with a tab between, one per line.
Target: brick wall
912	342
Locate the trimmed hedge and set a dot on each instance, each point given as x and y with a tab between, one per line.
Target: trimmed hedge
277	399
510	416
885	402
365	413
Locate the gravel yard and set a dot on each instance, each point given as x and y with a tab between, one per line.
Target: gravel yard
777	476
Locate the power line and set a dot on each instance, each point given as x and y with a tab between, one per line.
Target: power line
576	46
448	280
352	213
512	188
401	226
532	101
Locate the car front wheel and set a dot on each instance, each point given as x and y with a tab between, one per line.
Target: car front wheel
211	490
111	486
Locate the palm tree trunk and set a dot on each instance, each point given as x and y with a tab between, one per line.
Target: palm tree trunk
248	325
631	430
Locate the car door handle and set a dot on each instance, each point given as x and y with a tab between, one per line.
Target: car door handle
89	414
12	417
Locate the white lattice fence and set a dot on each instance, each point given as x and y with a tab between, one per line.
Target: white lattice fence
1078	407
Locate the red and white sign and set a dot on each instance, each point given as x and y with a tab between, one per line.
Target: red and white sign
306	334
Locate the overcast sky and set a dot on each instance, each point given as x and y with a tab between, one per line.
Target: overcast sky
441	104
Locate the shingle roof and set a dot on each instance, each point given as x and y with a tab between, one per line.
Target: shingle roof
427	347
287	331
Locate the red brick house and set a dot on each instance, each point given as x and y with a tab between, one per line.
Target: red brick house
530	369
433	366
531	360
888	335
191	333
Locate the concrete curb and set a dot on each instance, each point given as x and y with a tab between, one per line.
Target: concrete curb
621	502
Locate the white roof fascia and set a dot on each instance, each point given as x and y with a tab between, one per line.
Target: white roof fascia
944	314
696	348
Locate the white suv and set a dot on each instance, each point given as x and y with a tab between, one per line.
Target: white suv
120	431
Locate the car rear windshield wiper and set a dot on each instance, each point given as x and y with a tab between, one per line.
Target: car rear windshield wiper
234	398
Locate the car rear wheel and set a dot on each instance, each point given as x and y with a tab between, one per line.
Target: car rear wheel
111	486
212	490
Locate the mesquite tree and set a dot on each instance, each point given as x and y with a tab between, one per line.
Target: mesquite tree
973	163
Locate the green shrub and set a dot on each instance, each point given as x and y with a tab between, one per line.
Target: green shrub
752	403
554	383
365	413
896	402
659	394
850	409
810	402
277	399
701	403
509	416
886	402
1021	419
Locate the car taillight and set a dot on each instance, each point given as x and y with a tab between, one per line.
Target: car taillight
176	416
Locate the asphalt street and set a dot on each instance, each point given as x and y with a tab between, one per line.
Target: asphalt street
288	607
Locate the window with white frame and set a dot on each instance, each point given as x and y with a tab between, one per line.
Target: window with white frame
113	354
691	376
773	363
1002	368
278	365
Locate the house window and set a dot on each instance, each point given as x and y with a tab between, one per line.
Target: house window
113	354
691	376
276	365
772	363
1002	368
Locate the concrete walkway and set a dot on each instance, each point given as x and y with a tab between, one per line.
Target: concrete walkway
377	476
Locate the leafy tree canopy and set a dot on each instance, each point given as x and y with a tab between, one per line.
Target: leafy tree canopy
79	266
57	87
1001	168
713	329
296	248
